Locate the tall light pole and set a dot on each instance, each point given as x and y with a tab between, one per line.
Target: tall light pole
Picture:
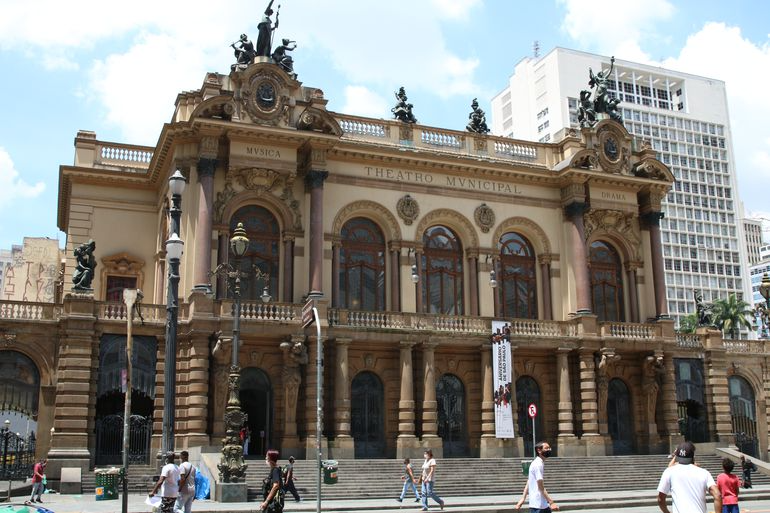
174	247
130	297
232	468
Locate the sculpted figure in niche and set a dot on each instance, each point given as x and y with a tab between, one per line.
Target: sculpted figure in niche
604	361
85	266
294	355
652	377
266	29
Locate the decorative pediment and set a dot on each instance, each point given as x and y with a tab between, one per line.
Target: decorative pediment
653	169
318	120
122	263
219	107
585	159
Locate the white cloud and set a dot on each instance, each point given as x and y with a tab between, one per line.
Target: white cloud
12	187
721	52
360	101
455	9
615	28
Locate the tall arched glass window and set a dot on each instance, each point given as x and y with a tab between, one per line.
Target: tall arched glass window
442	271
518	285
606	282
264	237
362	266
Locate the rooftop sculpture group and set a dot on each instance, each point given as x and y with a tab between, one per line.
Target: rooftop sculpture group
403	110
246	52
602	103
478	120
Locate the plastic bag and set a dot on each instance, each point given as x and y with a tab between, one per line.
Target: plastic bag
202	486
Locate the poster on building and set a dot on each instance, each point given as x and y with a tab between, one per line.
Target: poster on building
501	371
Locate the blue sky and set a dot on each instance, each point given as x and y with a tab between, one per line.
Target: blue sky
116	68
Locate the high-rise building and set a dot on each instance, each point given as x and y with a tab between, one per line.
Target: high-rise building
753	229
686	120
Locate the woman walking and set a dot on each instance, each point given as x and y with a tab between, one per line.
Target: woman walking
428	480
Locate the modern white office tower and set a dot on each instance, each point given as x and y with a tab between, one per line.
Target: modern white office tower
685	118
753	230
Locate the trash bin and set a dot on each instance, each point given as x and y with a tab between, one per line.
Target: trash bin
107	480
330	471
525	467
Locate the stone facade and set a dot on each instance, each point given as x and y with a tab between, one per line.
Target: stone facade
414	370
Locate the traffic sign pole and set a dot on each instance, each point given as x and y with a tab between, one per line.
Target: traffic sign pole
532	412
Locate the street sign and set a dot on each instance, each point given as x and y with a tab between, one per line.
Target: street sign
307	313
532	411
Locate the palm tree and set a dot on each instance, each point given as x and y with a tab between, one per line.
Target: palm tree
732	314
688	323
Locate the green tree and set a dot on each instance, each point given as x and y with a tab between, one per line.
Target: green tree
732	314
688	323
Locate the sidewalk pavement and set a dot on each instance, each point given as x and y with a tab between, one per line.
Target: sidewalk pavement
486	504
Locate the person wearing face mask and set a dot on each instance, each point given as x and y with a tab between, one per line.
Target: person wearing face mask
539	500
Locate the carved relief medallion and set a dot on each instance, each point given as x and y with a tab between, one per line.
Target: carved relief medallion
485	217
408	209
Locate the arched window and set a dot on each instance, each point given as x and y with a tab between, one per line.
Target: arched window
442	271
362	266
606	282
743	414
518	286
264	237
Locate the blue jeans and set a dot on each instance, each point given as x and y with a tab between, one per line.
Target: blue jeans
407	483
37	490
540	510
730	508
427	491
184	501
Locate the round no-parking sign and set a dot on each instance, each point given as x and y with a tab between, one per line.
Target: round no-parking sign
532	411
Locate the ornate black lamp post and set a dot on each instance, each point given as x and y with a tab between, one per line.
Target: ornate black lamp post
174	247
232	468
763	311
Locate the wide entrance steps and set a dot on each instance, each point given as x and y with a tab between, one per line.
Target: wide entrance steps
368	479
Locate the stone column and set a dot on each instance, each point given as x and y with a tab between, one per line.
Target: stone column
418	286
574	212
75	400
407	445
489	445
197	390
288	268
633	292
593	441
223	254
567	439
294	355
395	277
717	391
545	273
336	274
315	182
473	282
429	405
343	445
201	279
652	223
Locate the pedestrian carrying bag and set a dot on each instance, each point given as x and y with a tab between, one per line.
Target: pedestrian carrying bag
276	503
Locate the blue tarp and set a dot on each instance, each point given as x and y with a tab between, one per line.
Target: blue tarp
202	486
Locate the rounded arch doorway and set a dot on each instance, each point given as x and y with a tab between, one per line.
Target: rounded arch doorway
528	392
367	417
620	421
743	414
256	395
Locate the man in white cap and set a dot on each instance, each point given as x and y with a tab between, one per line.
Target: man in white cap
687	484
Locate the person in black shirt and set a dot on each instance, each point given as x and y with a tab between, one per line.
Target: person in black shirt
272	485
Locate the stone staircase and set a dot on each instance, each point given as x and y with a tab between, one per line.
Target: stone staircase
141	478
367	479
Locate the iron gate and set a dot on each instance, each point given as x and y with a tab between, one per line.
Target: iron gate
450	399
18	456
367	421
109	440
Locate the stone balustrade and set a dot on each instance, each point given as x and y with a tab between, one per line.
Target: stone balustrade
744	346
628	330
26	311
259	311
114	311
127	157
689	340
392	132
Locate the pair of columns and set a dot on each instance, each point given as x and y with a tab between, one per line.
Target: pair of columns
574	212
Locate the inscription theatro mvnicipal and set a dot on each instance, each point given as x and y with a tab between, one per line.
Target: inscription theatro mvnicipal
455	182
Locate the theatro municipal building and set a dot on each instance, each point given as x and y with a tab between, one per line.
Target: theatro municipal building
412	240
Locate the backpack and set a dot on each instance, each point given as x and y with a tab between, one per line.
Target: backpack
276	504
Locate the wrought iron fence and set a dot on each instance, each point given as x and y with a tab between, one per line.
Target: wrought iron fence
18	456
109	440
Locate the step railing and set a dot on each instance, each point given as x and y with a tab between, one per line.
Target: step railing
28	311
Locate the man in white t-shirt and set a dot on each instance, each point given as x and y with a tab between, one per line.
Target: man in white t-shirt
168	482
687	484
539	500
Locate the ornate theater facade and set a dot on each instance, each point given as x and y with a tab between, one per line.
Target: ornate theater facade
414	240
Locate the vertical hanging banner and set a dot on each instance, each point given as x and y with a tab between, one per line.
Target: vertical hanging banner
502	371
